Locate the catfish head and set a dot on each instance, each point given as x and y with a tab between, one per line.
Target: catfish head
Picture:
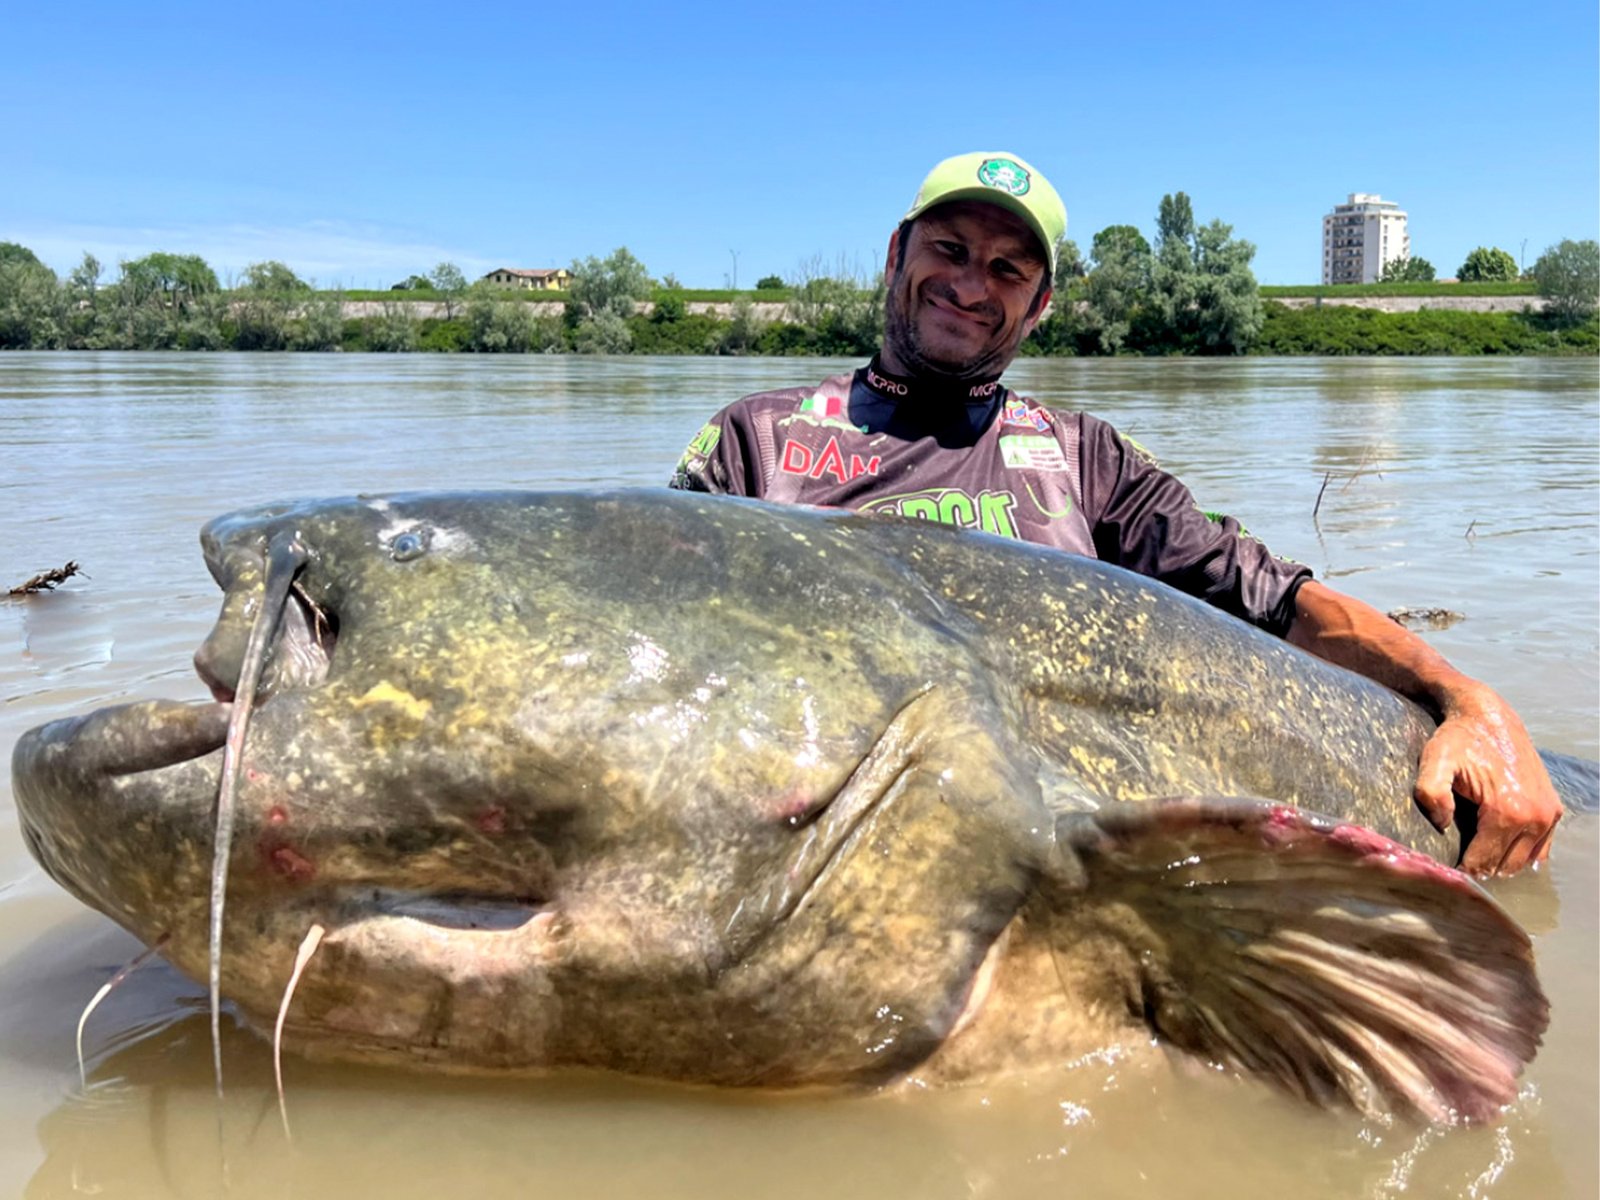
568	781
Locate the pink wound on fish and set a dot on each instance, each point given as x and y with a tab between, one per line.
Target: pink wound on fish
288	862
1283	826
1374	845
795	807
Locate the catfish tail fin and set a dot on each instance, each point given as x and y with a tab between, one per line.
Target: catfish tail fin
1341	965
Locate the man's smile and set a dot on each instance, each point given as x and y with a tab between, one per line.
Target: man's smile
948	306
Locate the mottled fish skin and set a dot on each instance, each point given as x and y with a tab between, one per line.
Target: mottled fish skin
688	787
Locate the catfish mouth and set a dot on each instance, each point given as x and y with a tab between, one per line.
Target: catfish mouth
299	655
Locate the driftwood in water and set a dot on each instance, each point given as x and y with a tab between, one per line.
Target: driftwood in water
44	581
1425	618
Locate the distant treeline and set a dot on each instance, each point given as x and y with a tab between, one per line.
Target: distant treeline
1192	293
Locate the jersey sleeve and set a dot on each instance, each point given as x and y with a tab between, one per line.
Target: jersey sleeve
1146	520
721	459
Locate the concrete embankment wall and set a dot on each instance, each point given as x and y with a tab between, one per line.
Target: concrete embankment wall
767	311
544	308
1395	304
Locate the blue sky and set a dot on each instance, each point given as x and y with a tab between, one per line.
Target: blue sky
360	143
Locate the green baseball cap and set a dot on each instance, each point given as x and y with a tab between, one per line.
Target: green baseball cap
1002	179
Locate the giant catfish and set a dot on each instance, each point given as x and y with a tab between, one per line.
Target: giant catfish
709	790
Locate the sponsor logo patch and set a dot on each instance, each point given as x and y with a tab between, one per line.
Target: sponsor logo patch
988	511
800	459
697	455
1004	174
705	442
820	404
1017	412
1027	453
889	387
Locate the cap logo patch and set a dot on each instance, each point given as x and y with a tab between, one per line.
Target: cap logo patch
1005	175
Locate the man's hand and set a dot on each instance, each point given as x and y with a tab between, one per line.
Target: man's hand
1482	752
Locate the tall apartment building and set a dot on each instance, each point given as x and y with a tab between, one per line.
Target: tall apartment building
1360	237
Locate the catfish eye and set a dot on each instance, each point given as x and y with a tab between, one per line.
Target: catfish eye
407	547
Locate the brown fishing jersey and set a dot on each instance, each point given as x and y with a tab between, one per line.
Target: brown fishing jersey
981	457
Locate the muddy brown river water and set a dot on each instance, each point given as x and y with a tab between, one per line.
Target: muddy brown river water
1469	486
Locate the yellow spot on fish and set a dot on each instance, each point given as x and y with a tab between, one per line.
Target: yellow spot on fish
387	693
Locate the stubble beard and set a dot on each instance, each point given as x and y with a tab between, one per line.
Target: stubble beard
901	337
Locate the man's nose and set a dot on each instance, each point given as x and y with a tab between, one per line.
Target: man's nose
970	283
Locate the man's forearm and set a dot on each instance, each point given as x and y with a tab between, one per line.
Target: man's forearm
1352	634
1481	750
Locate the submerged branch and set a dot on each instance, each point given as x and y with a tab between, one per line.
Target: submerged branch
44	581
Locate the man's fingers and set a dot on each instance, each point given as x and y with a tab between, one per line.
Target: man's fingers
1517	853
1435	777
1541	852
1506	851
1483	856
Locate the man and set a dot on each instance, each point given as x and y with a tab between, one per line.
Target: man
926	429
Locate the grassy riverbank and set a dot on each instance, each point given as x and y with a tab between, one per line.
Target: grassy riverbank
1341	330
1326	331
530	296
1336	292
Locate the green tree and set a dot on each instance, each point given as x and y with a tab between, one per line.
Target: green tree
606	332
269	297
769	283
840	311
394	329
33	305
1175	231
84	302
451	285
1203	294
321	325
1484	265
602	297
744	329
202	323
1070	265
668	308
1568	277
175	278
413	283
1407	270
497	325
85	277
1118	283
614	284
273	278
13	252
1119	239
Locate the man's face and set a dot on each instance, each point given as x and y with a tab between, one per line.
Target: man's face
966	293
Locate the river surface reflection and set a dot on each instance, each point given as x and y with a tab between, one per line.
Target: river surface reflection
1468	485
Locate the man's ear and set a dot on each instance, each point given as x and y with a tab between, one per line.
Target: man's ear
894	250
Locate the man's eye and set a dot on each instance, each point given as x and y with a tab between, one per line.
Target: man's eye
951	249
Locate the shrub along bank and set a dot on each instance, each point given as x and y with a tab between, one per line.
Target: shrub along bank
1191	294
1336	330
1329	330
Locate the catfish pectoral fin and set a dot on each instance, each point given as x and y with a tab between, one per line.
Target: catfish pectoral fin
1340	965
